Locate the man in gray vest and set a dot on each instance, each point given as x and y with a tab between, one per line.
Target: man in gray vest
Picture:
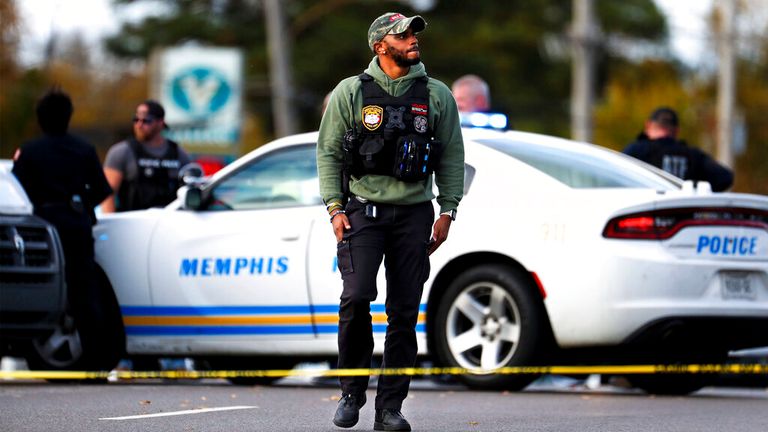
143	170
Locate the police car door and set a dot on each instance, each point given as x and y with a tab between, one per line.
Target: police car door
236	270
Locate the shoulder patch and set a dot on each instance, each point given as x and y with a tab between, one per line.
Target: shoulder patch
372	117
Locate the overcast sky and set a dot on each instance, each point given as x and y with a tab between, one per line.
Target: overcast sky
96	18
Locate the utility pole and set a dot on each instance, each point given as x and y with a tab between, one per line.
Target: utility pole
584	37
726	83
281	75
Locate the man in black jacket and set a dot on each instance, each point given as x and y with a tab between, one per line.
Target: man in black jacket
658	145
63	178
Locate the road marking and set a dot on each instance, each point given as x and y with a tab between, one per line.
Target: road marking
176	413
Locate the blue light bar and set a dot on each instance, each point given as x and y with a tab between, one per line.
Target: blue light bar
484	120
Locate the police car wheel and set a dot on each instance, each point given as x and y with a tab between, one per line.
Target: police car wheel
491	317
63	348
58	350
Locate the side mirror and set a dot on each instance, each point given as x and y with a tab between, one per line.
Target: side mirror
191	197
191	173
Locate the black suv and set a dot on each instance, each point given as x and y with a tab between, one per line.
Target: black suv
32	287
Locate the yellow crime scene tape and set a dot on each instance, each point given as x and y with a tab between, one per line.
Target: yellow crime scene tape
283	373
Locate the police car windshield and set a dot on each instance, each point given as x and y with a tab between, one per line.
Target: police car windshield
580	169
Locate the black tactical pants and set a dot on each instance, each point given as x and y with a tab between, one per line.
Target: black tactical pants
86	299
398	234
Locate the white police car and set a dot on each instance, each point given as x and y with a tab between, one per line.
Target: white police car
561	251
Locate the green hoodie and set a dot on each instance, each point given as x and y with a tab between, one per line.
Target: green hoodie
344	109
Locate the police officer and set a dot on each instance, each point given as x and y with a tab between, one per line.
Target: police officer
658	145
382	136
63	178
143	170
472	94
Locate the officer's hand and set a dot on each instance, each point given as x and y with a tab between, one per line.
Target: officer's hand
440	232
340	224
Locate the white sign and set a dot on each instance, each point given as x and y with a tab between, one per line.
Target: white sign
201	90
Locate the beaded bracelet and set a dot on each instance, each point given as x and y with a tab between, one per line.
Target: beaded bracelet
336	212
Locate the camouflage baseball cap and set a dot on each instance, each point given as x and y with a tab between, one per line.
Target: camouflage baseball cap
393	23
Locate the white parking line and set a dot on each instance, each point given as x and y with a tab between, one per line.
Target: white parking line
175	413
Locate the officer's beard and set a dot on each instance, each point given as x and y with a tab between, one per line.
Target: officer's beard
401	57
146	135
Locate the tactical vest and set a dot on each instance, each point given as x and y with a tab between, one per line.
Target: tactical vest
156	182
395	137
674	157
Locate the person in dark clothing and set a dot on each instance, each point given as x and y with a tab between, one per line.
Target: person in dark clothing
658	145
144	170
63	178
385	135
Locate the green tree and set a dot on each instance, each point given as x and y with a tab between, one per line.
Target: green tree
501	41
9	39
504	42
231	23
752	94
634	90
104	96
751	166
632	93
18	89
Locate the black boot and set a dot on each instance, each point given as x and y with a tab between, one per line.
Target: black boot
390	420
348	411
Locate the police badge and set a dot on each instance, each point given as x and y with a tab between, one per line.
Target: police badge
372	117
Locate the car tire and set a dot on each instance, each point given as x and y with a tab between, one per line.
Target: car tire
488	318
63	349
236	364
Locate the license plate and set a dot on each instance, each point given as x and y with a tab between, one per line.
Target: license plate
737	286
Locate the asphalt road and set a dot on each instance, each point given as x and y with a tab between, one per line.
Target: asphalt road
301	405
